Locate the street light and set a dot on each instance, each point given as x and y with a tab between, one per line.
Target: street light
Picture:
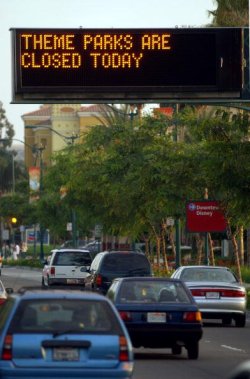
38	151
70	140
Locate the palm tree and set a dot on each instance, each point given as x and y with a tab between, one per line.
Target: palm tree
231	13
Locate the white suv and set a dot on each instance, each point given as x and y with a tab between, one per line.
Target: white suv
66	267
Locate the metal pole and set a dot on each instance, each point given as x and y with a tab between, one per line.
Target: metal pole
13	173
177	220
41	191
177	243
206	259
74	232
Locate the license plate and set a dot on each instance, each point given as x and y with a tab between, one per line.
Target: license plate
212	295
74	281
65	354
156	317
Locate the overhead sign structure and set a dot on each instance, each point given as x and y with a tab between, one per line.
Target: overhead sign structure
127	65
205	216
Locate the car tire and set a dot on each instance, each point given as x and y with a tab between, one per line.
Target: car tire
193	350
226	320
43	282
240	321
176	350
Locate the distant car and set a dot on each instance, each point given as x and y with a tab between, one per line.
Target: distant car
217	292
94	246
66	267
70	243
109	265
63	334
158	313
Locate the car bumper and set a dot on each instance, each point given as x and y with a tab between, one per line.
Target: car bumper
124	371
66	281
219	306
163	336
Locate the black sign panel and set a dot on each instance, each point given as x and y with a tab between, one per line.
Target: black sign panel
87	65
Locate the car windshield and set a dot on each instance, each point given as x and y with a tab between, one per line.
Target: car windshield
152	291
72	258
207	275
59	316
126	263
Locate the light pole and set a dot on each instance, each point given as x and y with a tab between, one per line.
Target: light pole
70	140
38	151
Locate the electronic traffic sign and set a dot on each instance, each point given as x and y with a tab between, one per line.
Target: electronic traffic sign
127	65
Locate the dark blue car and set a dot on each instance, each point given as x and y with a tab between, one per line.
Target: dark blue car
158	313
63	334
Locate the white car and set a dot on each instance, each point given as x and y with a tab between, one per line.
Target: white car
66	267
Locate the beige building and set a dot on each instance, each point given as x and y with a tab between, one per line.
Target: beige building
52	127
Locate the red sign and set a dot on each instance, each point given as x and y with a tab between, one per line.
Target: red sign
204	216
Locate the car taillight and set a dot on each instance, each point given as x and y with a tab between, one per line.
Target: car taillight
7	348
233	293
52	270
192	316
99	280
125	316
222	292
2	301
123	354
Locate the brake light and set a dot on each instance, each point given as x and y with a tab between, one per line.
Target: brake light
7	348
192	316
52	270
222	292
125	316
233	293
99	280
123	355
2	301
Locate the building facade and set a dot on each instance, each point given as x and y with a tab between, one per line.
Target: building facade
54	126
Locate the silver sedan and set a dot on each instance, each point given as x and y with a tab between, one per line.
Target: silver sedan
217	292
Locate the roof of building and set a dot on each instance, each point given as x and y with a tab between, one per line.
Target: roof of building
46	110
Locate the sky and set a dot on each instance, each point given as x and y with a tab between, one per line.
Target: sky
87	14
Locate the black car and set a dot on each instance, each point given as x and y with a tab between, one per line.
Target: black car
109	265
158	313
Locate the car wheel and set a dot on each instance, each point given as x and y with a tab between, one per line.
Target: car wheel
193	350
43	282
240	321
227	320
176	350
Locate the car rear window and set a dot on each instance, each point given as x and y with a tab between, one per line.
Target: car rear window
152	291
204	275
131	264
72	258
59	316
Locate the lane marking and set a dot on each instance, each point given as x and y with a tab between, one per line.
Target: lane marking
233	348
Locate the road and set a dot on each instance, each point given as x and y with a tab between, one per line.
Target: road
221	348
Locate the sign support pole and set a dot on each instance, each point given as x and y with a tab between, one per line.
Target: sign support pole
206	260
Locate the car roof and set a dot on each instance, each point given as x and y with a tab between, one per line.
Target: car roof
204	266
71	249
35	293
147	278
123	252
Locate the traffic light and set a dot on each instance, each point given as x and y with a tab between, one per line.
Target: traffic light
13	220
